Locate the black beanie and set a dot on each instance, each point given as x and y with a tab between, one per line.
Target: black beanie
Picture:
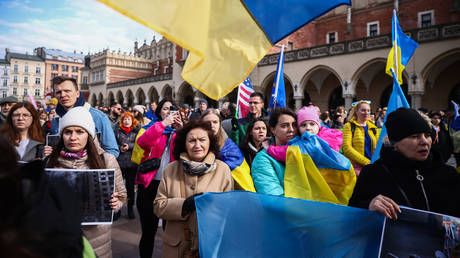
405	122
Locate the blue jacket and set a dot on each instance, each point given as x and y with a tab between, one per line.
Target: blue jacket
102	123
267	174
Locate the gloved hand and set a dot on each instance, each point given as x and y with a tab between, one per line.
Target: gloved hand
189	204
234	123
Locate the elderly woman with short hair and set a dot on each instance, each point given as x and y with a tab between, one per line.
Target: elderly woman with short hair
196	170
409	172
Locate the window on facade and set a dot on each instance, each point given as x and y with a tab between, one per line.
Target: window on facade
26	69
372	29
165	69
4	93
15	91
426	19
25	92
5	82
65	68
331	37
53	75
75	77
74	69
290	45
64	75
26	79
38	70
37	92
15	79
54	67
5	72
85	79
15	68
37	80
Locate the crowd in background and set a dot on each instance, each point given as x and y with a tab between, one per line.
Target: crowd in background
174	153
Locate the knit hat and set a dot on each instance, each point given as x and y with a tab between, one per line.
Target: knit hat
405	122
308	113
78	116
139	108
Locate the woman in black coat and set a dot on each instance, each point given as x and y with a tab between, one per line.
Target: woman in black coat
125	133
408	172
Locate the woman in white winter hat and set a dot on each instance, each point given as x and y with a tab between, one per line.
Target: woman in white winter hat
77	149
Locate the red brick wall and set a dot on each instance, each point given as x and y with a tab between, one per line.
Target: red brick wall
116	75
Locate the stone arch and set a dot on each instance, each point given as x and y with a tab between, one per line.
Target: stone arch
140	95
120	98
129	98
267	85
111	98
153	94
318	86
440	80
100	100
186	94
93	100
167	92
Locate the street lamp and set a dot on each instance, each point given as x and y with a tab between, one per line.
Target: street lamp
345	84
414	78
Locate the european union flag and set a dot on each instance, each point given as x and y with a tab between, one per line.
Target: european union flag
397	100
278	97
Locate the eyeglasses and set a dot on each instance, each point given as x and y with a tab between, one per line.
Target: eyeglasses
254	103
16	116
361	101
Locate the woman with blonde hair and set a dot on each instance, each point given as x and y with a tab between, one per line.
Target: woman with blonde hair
22	126
360	135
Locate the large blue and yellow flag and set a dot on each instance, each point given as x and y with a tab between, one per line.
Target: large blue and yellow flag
397	100
245	224
402	50
241	172
226	38
316	172
278	96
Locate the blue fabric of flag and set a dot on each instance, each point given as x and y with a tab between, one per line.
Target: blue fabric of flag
280	18
397	100
245	224
231	154
278	99
320	152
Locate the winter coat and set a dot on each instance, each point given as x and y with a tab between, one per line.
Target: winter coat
353	143
333	137
124	159
33	151
153	142
102	123
442	142
238	135
441	183
268	174
170	198
99	236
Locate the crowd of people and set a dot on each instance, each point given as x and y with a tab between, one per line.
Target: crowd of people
174	154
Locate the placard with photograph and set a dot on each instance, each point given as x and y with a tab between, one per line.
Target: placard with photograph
95	188
418	233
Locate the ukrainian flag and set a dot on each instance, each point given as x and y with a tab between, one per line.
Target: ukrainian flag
316	172
404	48
241	173
226	38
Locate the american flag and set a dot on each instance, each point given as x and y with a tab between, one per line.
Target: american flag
245	90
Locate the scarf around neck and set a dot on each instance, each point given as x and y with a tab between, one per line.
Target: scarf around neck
73	155
195	168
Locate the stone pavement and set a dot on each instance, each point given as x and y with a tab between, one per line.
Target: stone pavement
126	234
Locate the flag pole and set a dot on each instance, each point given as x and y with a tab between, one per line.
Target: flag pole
278	76
395	33
238	102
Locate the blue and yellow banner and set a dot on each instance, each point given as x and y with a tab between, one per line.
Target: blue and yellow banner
245	224
404	47
241	172
226	38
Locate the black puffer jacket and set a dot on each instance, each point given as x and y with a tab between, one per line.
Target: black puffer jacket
124	159
441	183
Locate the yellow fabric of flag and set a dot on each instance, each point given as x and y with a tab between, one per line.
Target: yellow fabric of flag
303	180
242	176
138	152
224	41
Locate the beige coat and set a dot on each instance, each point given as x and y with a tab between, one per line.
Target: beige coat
169	200
99	236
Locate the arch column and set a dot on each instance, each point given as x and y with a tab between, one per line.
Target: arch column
348	89
125	102
415	90
135	100
147	100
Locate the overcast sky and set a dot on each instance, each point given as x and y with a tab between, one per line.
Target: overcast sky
81	25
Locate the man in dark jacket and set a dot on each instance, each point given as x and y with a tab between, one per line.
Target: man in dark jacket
201	108
6	104
256	110
408	172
